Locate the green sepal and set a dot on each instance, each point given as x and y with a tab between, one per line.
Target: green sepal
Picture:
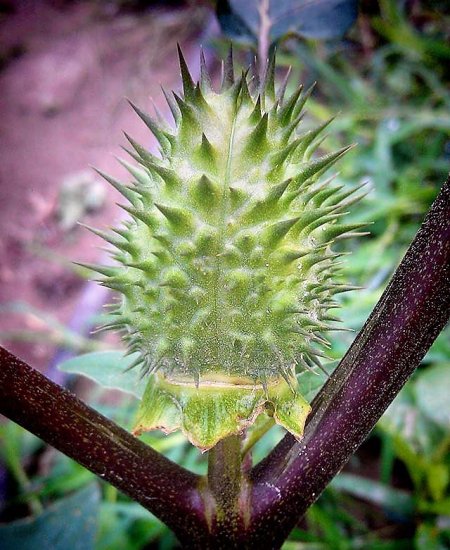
215	409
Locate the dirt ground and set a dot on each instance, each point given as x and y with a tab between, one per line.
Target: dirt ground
65	71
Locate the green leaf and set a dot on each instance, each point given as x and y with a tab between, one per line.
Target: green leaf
437	478
440	350
441	508
310	383
415	436
316	19
429	536
107	368
392	499
432	394
68	523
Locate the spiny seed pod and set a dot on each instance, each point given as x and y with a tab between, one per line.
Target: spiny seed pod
225	264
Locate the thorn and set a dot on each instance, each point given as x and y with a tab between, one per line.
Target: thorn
268	84
309	137
199	100
177	217
139	175
305	365
278	230
207	149
352	200
287	110
255	115
207	193
143	155
168	175
314	146
281	156
237	196
293	125
259	134
289	256
317	166
159	134
277	191
255	74
349	192
282	90
125	191
341	231
142	215
245	92
313	361
299	106
105	236
339	289
228	70
205	79
132	154
176	113
236	90
102	269
188	83
160	118
145	369
187	112
288	379
134	364
322	192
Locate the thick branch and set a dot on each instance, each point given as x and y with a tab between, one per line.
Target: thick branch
60	419
409	316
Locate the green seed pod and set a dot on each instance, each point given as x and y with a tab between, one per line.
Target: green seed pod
225	266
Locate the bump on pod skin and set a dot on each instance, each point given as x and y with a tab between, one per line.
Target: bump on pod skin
225	263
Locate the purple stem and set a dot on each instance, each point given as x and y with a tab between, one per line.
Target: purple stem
60	419
409	316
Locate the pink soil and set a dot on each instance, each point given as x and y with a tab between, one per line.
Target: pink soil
62	109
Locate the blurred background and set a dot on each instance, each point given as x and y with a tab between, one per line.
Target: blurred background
66	68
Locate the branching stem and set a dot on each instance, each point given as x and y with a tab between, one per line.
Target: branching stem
60	419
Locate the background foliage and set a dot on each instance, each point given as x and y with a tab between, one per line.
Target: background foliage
389	80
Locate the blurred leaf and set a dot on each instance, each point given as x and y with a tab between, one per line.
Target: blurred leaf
440	508
432	389
107	368
232	24
66	476
378	493
315	19
428	537
311	382
440	350
16	441
438	478
118	526
415	437
291	545
332	532
68	523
